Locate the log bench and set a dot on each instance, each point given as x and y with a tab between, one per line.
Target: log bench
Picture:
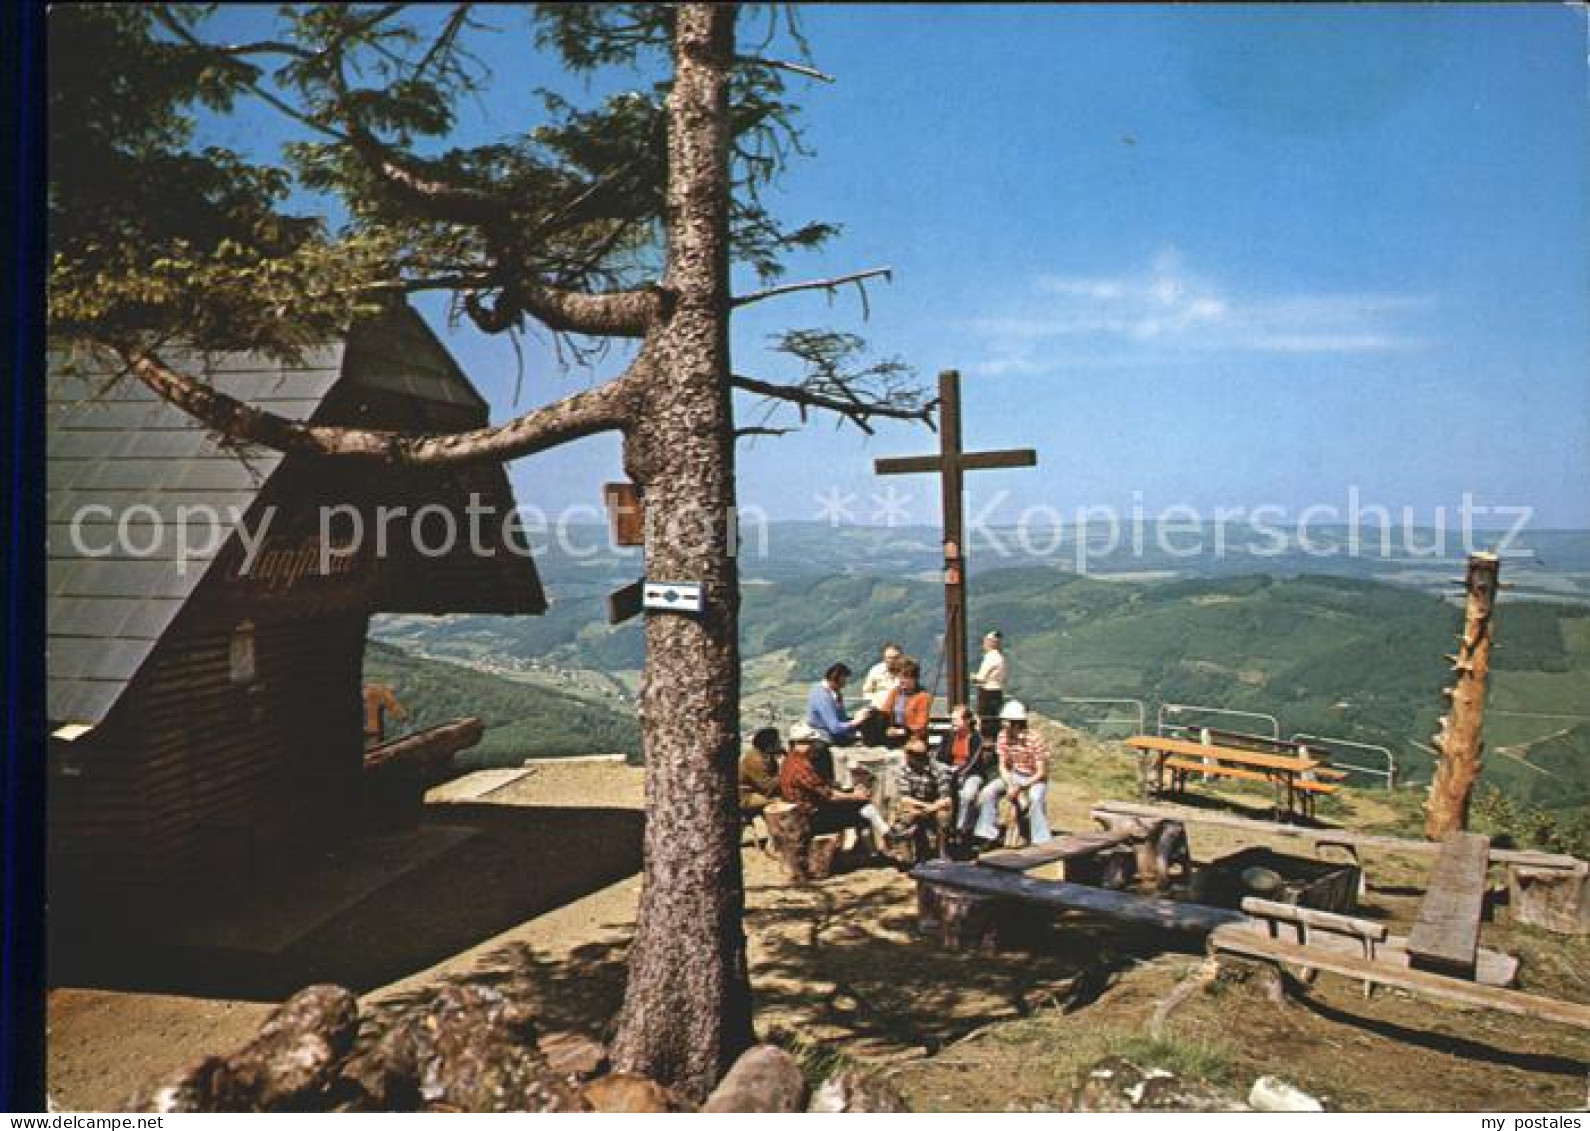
1446	934
1244	943
1554	899
1003	891
1106	811
1302	920
1076	857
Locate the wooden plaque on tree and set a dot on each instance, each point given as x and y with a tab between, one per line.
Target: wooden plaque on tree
626	513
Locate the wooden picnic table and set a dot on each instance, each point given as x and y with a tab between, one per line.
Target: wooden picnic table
1293	775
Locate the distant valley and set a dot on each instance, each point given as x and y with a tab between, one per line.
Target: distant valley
1350	648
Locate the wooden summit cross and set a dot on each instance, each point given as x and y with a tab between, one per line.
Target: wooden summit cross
952	464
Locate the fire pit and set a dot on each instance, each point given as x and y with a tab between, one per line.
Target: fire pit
1322	884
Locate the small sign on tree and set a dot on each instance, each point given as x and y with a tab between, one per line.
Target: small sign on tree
626	514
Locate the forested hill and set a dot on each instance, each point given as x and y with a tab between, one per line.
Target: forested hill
521	720
1327	655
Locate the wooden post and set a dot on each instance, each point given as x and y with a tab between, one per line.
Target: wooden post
1447	809
951	464
952	482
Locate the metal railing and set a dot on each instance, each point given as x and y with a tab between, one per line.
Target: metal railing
1140	711
1162	727
1388	772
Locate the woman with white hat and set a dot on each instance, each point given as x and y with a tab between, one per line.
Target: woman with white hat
1023	777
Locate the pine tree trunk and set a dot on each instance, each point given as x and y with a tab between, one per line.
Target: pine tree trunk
687	1005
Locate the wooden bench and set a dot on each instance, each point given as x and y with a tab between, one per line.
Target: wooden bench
1076	855
1446	935
1107	812
1246	943
1058	895
1367	934
1188	765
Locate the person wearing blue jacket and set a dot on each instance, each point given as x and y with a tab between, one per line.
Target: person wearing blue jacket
825	709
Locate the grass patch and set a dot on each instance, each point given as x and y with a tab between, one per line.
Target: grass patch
1187	1058
818	1059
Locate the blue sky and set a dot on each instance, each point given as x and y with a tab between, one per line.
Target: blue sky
1213	257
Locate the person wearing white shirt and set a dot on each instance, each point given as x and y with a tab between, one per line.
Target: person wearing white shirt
883	677
990	682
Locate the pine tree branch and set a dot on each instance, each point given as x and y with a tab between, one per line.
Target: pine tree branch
847	405
785	65
630	313
830	285
607	408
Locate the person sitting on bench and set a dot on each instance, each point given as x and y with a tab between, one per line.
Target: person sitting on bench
825	709
1023	777
926	800
759	772
971	765
828	808
905	711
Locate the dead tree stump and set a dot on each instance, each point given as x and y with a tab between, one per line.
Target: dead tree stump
820	855
1447	810
791	831
962	920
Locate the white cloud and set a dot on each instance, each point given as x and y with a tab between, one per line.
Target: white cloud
1181	314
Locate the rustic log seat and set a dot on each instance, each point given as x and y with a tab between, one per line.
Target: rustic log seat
1554	899
1303	920
1107	813
1017	890
805	857
431	748
1061	850
1446	935
1246	943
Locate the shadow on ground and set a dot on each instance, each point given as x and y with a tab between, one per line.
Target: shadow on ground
837	965
497	866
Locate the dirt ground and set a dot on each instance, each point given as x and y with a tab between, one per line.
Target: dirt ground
542	898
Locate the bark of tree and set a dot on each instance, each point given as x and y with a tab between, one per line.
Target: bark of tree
1447	810
687	1005
687	1009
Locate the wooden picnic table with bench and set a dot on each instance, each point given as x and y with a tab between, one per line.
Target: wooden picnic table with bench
1294	777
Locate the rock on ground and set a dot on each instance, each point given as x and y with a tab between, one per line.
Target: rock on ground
765	1078
1115	1084
624	1093
1271	1093
848	1091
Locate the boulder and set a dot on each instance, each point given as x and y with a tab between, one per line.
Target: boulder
623	1093
573	1056
1271	1093
765	1078
1115	1084
856	1092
